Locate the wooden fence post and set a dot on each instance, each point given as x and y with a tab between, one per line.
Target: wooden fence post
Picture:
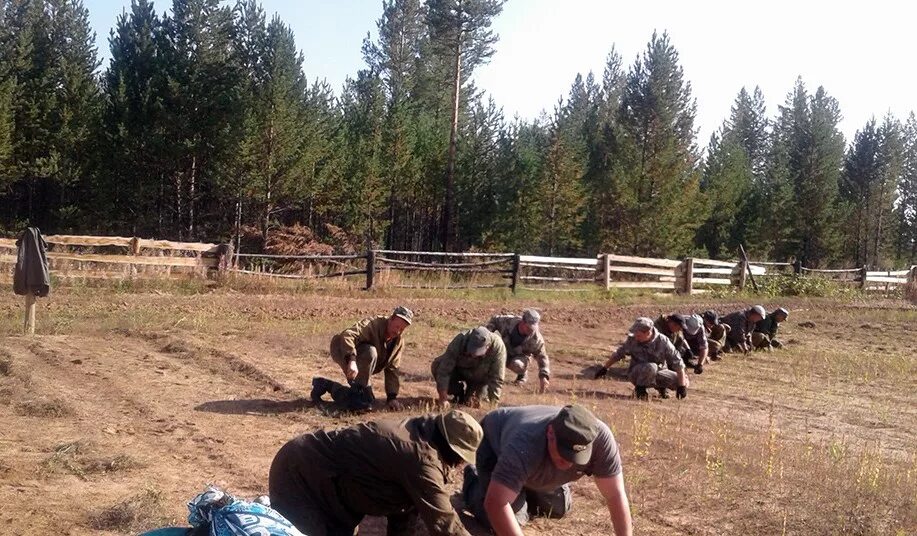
28	324
135	246
684	276
689	275
517	265
370	268
740	273
606	263
863	277
912	275
224	258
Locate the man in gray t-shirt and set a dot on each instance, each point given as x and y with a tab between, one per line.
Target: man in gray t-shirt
527	459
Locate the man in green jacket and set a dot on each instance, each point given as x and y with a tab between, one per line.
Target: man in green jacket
765	335
472	368
369	347
522	338
326	482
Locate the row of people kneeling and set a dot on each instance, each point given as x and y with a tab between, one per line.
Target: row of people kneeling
472	369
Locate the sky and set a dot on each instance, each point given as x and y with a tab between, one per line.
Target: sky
861	52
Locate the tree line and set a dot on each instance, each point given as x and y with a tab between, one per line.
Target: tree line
205	126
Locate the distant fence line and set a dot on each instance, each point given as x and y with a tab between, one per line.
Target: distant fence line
129	258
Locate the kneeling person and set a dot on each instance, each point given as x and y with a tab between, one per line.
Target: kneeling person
472	368
523	341
765	335
325	482
369	347
654	362
716	333
529	456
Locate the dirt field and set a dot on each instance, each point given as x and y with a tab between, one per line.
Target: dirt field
127	404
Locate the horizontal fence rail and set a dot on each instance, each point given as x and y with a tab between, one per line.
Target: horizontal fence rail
116	257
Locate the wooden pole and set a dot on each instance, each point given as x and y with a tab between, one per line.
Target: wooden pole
370	268
517	262
863	277
607	268
29	321
742	275
912	275
688	275
748	267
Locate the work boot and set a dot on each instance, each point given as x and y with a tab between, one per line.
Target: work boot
361	398
640	393
698	369
319	388
663	392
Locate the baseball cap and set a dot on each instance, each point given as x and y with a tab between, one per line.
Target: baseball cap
462	432
784	312
404	313
711	316
531	317
693	324
758	309
477	341
575	428
641	324
678	319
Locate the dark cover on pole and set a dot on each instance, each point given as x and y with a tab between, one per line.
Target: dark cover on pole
31	276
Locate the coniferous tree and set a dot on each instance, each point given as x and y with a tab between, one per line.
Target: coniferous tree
906	243
460	33
661	208
135	162
204	99
861	173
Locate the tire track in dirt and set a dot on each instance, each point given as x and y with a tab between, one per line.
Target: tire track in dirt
149	405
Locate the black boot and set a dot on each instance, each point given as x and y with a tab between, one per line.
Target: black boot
361	398
663	392
640	393
319	388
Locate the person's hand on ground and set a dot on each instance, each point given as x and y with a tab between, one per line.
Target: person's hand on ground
544	384
602	372
681	391
394	405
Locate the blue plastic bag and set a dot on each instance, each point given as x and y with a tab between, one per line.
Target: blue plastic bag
221	514
229	516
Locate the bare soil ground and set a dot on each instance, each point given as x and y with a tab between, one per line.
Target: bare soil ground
127	404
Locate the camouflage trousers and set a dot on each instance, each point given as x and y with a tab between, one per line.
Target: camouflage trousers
652	375
762	341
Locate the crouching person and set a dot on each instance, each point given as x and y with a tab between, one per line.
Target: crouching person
326	482
654	362
765	335
716	332
527	460
471	370
522	338
741	325
367	348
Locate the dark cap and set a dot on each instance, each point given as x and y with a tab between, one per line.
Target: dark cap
782	311
575	428
404	313
678	319
477	341
711	316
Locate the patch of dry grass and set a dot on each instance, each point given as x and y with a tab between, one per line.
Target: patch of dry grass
45	408
134	514
81	458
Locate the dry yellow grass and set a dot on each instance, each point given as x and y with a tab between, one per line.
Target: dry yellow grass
192	388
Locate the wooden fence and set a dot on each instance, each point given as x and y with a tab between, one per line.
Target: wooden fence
116	257
127	258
